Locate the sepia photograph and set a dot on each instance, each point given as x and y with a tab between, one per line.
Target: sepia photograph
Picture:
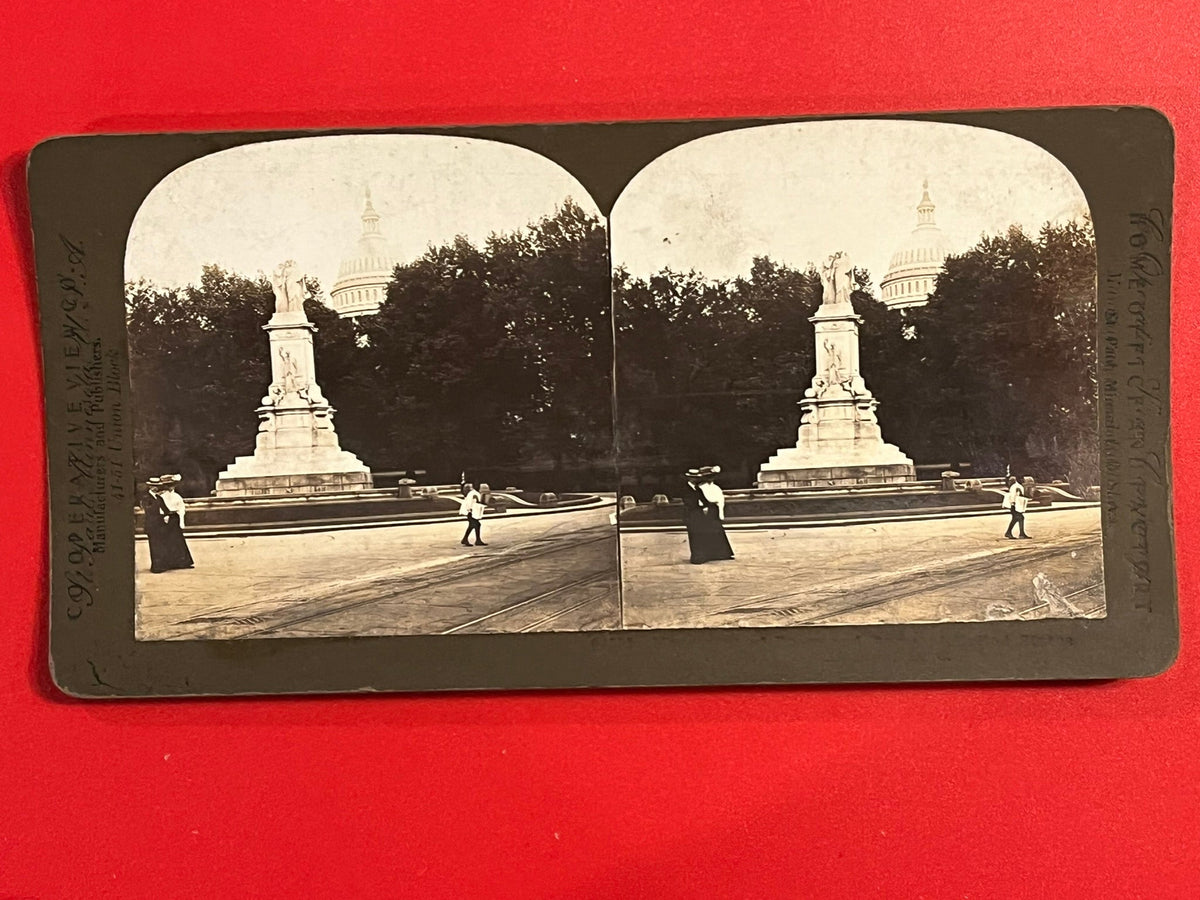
855	384
371	391
856	380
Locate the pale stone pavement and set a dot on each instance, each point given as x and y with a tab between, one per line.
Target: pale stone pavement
559	573
540	572
942	570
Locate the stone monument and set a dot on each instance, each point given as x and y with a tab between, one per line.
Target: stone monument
839	441
297	450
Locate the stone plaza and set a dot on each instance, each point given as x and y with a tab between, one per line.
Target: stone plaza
903	572
545	572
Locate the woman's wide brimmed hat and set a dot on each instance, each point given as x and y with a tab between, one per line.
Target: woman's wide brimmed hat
170	479
709	471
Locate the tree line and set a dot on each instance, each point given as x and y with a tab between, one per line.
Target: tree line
996	372
494	360
498	360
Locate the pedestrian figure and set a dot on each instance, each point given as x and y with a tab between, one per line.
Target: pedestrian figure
693	512
155	523
174	549
713	540
1016	502
472	507
704	513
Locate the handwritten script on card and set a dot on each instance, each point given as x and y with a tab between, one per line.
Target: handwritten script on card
1134	400
95	425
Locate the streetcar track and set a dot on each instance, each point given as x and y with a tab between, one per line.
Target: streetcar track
899	595
496	561
1001	559
562	612
1100	606
1000	562
520	604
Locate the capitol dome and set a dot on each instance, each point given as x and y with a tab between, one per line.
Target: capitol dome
912	273
362	279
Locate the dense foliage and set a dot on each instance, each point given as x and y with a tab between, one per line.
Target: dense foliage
498	360
495	360
997	371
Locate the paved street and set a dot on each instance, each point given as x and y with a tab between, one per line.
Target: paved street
555	572
559	573
941	570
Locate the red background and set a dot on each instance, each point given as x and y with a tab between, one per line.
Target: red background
983	791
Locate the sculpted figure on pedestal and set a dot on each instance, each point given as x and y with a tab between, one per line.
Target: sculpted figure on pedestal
290	378
837	280
836	375
289	288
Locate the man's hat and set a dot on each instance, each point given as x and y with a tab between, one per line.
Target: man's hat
154	482
692	473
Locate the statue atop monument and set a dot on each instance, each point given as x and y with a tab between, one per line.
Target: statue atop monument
837	279
289	288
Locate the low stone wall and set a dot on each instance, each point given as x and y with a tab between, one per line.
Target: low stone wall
208	513
214	513
825	505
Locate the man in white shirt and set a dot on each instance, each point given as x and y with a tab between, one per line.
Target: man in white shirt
472	507
1016	502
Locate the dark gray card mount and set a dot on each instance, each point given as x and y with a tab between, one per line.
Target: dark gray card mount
85	192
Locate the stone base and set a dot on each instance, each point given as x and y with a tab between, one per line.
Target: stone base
820	476
297	483
268	472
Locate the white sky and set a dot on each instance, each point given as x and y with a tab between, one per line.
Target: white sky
249	208
798	192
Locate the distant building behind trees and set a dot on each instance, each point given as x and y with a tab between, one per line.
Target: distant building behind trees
363	276
912	273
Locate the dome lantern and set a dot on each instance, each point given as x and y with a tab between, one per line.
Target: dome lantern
924	208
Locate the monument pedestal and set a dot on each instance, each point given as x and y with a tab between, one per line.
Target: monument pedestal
296	450
839	441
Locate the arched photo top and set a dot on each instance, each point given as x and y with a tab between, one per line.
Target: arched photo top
321	200
796	192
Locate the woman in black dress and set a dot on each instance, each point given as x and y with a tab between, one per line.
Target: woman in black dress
155	523
693	513
711	527
703	509
174	553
